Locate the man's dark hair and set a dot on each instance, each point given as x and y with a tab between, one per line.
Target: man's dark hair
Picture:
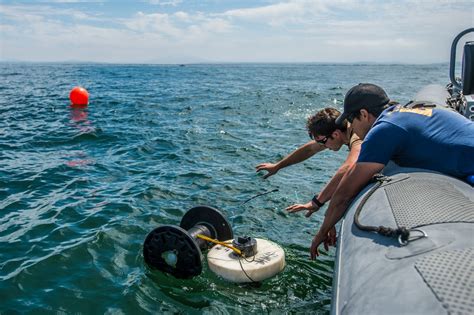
323	123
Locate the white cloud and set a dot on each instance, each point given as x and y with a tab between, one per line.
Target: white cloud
71	1
298	30
177	27
152	23
281	13
279	10
182	16
165	2
217	26
41	12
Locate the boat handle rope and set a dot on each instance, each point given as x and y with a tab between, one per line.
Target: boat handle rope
401	233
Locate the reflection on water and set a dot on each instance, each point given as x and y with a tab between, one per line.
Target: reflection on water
79	118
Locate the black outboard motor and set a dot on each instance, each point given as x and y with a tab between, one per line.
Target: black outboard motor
462	91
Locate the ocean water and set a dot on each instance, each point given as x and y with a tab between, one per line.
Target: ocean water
81	188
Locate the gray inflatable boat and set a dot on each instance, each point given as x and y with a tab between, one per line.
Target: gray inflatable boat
433	271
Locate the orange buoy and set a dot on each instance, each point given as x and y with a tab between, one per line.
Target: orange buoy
79	96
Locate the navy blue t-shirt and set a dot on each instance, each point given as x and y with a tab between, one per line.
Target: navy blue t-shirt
435	139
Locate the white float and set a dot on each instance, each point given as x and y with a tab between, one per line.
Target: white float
269	260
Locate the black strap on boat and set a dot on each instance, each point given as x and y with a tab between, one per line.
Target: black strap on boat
402	233
419	104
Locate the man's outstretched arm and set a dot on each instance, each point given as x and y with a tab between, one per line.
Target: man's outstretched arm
328	191
351	184
299	155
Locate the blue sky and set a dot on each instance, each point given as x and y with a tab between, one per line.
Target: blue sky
182	31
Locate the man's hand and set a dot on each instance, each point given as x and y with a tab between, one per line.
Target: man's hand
271	168
310	207
351	184
329	240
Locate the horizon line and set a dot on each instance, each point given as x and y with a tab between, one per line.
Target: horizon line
228	62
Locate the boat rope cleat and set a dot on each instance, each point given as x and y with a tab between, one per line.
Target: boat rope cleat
403	234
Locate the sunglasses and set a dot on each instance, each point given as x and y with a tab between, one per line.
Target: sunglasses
322	141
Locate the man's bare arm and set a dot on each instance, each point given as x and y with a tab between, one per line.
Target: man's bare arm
299	155
351	184
331	186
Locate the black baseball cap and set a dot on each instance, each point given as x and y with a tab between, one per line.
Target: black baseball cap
363	95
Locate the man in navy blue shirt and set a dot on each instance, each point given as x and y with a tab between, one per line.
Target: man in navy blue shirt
432	138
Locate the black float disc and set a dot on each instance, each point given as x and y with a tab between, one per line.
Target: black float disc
171	238
212	218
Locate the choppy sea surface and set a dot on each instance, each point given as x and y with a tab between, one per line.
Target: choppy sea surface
81	188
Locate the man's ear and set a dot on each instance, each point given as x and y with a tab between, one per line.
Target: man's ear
364	114
336	134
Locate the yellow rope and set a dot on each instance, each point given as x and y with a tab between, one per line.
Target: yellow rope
204	237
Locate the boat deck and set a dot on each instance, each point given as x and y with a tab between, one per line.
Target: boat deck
432	275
